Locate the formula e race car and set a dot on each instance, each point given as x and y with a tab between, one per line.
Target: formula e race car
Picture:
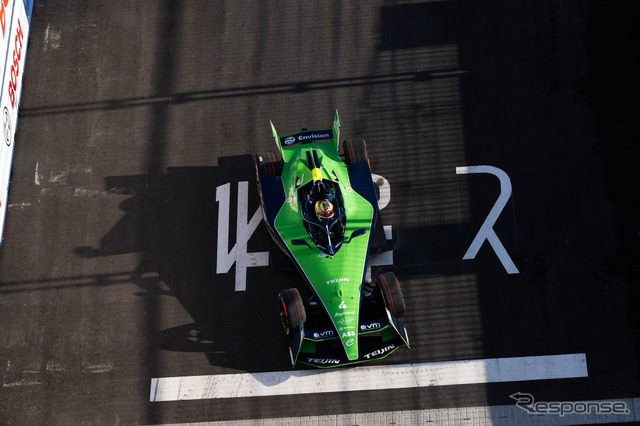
321	210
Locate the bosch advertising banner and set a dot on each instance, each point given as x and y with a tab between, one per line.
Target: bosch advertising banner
15	17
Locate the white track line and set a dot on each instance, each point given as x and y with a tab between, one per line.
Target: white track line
456	416
297	382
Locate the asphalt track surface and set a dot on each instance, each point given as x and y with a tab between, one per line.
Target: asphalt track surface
133	114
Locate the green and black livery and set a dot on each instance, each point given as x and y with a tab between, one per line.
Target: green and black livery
344	317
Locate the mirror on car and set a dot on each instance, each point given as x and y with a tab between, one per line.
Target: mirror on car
301	242
357	233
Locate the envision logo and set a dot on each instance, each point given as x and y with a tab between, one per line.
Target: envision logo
314	136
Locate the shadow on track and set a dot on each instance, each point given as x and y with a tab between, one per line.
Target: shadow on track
173	224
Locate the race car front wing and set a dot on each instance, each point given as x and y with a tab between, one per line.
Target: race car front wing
377	339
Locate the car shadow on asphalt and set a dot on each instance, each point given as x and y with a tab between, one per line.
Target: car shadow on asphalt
171	220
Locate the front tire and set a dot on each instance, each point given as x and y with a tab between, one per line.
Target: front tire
391	292
292	312
268	164
355	151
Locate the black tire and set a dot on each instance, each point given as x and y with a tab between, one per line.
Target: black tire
355	151
391	292
268	164
292	312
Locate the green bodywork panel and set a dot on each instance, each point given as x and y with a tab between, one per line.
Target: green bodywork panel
336	279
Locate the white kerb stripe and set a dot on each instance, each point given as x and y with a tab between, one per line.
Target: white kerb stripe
369	378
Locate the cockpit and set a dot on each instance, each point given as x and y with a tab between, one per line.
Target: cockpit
322	209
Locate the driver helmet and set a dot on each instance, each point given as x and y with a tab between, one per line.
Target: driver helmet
324	209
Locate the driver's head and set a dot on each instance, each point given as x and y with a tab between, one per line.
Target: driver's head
324	209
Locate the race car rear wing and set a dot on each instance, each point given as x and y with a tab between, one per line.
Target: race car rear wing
308	136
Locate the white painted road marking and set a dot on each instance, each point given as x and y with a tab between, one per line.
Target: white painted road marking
244	231
238	254
402	376
486	231
384	190
451	416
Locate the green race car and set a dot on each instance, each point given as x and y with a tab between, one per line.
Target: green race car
321	210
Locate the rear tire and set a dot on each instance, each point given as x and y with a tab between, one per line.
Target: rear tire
355	151
391	292
292	312
268	164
